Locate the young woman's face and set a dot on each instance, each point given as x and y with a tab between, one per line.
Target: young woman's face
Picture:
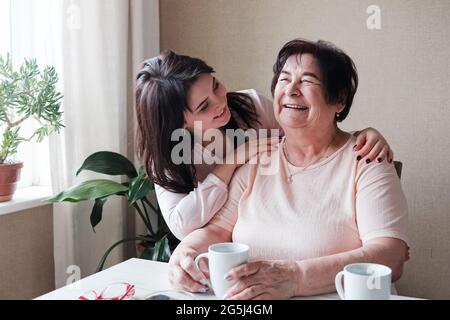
207	101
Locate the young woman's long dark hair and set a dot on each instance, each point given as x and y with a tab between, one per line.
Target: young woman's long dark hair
162	87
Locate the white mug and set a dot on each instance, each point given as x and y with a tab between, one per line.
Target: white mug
222	258
364	281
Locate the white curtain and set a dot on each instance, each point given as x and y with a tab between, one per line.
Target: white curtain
96	47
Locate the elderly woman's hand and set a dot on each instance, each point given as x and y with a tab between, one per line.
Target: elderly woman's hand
183	273
264	280
371	146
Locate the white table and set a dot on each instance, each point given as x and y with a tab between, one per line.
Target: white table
147	276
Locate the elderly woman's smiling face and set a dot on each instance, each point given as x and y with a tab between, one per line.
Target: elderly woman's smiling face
299	99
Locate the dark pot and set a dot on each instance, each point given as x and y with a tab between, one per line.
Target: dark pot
173	243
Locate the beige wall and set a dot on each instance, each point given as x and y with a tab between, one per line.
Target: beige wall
404	90
26	253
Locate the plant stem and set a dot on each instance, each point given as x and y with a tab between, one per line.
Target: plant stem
146	222
156	211
13	124
103	259
150	205
145	210
8	121
29	139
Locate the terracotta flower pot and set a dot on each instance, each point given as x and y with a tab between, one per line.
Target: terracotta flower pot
9	175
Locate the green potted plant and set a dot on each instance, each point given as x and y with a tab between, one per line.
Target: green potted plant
27	94
156	244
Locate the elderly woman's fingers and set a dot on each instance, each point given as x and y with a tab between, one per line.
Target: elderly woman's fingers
264	296
242	284
248	292
279	279
189	266
179	279
373	154
243	270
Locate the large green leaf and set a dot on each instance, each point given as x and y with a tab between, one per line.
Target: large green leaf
139	188
142	171
89	190
161	251
110	163
147	254
96	213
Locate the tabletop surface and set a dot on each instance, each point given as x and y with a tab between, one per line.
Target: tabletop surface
148	277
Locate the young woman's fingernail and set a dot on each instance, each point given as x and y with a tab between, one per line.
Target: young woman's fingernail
379	159
367	160
204	282
358	158
202	290
228	277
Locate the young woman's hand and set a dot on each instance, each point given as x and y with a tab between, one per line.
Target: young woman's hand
372	146
242	155
251	149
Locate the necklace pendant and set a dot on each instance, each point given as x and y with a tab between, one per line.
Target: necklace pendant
290	180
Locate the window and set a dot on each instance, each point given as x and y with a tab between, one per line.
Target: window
36	170
5	26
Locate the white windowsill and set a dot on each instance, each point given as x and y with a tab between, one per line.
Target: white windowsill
26	198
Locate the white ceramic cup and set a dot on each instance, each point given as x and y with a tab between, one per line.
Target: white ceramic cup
364	281
222	258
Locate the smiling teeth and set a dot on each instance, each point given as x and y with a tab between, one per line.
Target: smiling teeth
294	106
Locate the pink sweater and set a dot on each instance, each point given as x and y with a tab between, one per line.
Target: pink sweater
333	206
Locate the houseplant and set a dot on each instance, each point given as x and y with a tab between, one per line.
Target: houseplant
157	242
26	95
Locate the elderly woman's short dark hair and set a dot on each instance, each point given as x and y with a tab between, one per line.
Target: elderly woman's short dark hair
338	72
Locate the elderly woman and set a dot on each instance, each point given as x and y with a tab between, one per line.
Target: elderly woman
322	210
